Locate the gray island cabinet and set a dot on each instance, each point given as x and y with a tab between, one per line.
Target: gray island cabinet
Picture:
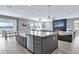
42	42
21	39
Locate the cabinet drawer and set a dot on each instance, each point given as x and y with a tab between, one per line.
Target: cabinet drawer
37	38
37	52
37	46
37	43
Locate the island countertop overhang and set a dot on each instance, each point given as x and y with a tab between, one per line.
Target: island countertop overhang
41	33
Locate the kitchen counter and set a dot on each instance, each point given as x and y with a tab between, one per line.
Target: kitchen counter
65	33
41	33
21	39
44	30
66	36
39	42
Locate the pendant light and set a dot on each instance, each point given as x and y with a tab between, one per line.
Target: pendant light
49	17
48	12
33	20
39	14
39	26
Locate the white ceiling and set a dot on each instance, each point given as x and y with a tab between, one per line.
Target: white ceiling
40	11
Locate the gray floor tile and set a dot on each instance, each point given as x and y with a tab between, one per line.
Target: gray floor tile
10	46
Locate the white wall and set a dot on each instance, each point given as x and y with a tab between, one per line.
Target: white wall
36	25
70	23
25	29
48	25
21	28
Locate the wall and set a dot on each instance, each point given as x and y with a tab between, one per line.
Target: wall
18	23
33	25
20	27
48	25
70	23
24	29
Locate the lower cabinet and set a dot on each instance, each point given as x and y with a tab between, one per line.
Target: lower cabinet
45	45
25	42
37	45
49	44
67	38
22	40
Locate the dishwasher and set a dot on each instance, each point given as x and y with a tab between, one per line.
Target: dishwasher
30	42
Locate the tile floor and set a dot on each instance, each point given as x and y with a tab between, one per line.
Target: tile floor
10	46
67	47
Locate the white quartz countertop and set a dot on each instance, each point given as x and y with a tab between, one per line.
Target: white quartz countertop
65	33
41	33
22	34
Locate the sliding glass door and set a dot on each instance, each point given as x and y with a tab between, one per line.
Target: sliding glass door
7	24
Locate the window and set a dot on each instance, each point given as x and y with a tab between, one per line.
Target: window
8	25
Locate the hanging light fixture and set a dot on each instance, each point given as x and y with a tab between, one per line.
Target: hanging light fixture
39	14
49	17
29	5
48	12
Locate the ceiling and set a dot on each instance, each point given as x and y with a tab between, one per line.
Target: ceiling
40	11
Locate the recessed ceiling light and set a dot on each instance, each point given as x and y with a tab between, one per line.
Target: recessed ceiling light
29	5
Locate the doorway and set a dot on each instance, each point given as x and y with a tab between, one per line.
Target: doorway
76	27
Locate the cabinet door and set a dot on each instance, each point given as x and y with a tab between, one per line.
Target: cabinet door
18	38
23	39
37	45
49	44
25	42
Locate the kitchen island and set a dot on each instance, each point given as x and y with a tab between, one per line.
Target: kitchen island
21	39
39	42
66	36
